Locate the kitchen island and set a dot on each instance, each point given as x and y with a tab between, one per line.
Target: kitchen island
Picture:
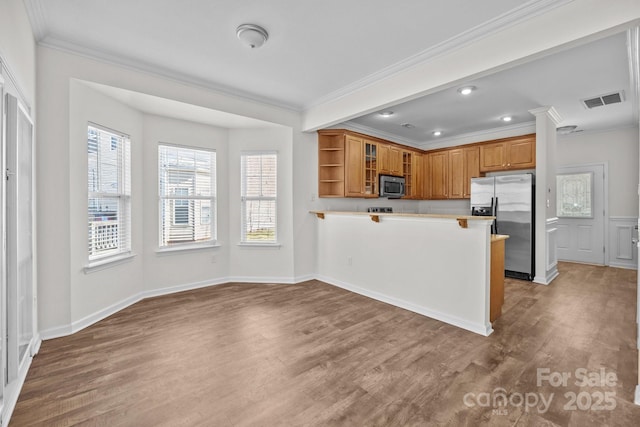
435	265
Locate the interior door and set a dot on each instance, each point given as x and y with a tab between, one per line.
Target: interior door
580	211
19	235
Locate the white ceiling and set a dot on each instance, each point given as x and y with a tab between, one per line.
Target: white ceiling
321	50
560	80
178	110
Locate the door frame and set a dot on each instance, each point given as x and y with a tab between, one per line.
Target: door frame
605	200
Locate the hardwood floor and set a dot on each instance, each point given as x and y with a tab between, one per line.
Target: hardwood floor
313	354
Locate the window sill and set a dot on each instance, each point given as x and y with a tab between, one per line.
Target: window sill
259	244
105	263
185	248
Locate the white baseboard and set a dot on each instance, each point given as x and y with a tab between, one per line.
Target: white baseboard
89	320
260	279
637	396
181	288
478	328
12	392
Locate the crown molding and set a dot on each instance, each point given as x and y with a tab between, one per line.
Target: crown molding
159	71
36	14
551	112
513	17
356	127
479	136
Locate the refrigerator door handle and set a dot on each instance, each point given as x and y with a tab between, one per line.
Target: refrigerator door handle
495	213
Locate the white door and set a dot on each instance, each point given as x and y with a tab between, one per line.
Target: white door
580	210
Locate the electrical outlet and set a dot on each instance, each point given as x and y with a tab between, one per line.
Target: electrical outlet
313	197
349	261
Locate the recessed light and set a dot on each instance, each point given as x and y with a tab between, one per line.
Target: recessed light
466	90
437	133
506	118
386	113
407	125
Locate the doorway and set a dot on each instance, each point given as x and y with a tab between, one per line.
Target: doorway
581	213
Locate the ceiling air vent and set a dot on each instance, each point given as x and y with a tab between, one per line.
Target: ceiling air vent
599	101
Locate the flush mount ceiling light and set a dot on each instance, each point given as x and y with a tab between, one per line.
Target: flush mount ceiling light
437	133
386	113
252	35
407	125
466	90
506	119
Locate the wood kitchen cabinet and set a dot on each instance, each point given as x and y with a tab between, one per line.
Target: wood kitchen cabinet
456	174
471	169
347	165
331	165
438	177
361	168
508	154
389	160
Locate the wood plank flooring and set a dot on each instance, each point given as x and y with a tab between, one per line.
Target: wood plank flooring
313	354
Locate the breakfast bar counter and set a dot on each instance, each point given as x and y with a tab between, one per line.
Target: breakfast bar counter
435	265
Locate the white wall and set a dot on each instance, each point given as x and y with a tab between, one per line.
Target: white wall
93	292
618	148
70	299
170	269
428	265
261	263
18	48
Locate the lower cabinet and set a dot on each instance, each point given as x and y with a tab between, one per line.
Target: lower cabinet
496	297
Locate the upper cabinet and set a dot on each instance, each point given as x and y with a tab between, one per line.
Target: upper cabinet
438	178
390	160
331	164
361	167
508	154
471	167
349	164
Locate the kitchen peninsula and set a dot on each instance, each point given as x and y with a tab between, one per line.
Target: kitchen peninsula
435	265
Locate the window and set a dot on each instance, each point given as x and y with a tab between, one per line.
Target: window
574	195
187	184
259	197
109	185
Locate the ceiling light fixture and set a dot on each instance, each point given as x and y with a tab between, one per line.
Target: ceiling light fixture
386	113
466	90
407	125
252	35
437	133
506	118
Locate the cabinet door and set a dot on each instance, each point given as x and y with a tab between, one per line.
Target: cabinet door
418	176
395	161
493	157
354	167
383	159
407	173
471	169
521	153
370	172
438	168
456	174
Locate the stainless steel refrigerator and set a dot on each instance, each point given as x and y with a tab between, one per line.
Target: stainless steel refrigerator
510	198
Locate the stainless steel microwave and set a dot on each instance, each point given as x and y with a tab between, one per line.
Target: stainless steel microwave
391	186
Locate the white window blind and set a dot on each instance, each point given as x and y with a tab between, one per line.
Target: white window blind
109	184
259	197
187	183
